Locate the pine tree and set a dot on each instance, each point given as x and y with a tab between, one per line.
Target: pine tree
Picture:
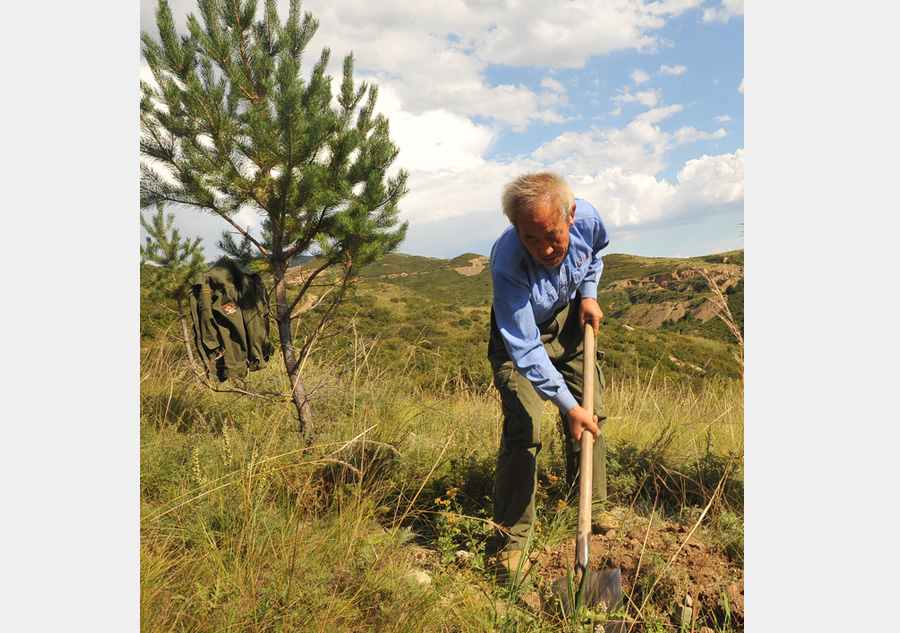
176	264
231	124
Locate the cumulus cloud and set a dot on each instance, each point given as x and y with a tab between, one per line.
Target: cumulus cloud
647	98
665	69
711	181
552	84
705	186
724	12
454	43
639	147
437	140
639	76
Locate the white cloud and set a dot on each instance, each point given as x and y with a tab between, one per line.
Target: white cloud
647	98
725	11
435	54
638	148
673	7
627	200
688	134
723	119
552	85
453	42
639	76
437	140
741	87
665	69
711	181
659	114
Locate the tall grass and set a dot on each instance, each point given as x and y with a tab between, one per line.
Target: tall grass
382	524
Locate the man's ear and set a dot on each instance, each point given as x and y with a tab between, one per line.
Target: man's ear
572	215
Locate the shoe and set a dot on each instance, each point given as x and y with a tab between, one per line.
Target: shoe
603	523
510	565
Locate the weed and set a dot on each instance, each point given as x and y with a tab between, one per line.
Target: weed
457	532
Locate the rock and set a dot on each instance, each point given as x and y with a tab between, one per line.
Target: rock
462	556
419	576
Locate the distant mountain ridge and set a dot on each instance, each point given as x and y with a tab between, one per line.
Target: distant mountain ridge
644	291
660	315
662	320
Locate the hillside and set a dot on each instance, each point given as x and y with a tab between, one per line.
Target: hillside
433	315
381	521
463	280
641	290
660	314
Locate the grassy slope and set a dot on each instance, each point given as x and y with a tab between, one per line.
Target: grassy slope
244	528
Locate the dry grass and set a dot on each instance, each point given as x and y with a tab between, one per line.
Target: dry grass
246	528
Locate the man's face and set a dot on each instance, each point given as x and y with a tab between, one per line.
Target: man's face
545	235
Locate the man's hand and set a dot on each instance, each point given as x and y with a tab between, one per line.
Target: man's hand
590	312
579	420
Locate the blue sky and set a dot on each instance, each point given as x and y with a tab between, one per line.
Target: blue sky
639	104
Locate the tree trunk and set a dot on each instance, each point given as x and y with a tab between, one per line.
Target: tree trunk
289	353
186	337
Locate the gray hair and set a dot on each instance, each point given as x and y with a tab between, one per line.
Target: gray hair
523	194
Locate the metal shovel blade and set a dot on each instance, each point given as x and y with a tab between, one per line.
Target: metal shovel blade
598	588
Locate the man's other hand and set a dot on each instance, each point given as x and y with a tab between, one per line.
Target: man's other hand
579	420
590	312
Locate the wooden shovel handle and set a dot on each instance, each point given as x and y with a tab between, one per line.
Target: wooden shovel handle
586	468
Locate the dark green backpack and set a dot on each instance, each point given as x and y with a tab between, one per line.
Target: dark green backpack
230	309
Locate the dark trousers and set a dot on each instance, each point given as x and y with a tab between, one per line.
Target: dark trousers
515	480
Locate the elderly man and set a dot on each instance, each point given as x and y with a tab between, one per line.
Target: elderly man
545	269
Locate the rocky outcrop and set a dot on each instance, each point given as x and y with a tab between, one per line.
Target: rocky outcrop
476	265
725	276
690	281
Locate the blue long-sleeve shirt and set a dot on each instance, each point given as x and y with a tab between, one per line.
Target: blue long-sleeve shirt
527	293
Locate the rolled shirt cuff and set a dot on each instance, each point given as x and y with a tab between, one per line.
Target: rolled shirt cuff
589	290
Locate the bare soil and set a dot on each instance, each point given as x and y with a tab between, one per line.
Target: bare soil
666	560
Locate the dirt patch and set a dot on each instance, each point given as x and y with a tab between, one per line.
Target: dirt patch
655	315
663	560
707	310
476	265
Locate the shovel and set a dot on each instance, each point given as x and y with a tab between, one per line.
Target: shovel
592	588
